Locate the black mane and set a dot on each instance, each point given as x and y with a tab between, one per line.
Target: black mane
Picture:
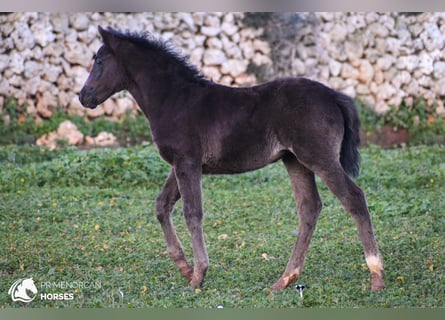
148	41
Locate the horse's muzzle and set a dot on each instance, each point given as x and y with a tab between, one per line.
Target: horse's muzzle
87	97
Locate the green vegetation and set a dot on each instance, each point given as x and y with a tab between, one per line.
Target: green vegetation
20	129
422	123
70	215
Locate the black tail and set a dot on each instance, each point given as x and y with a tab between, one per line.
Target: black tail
349	154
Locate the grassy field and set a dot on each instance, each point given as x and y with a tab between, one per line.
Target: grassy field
88	217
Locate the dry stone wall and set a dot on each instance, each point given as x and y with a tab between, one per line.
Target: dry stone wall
384	59
44	58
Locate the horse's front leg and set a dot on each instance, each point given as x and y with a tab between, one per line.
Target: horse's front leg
164	206
188	175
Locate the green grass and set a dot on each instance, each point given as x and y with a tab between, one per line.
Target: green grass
69	215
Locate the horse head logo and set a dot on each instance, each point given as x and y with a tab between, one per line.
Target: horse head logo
19	290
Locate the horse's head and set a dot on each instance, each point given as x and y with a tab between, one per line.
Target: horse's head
106	76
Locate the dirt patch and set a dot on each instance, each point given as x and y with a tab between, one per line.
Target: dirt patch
386	137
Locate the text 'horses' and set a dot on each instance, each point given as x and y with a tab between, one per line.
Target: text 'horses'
201	127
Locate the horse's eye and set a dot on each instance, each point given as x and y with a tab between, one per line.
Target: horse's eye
96	59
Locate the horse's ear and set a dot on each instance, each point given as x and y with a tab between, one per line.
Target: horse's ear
107	37
101	30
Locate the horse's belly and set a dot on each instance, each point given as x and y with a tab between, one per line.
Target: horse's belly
240	162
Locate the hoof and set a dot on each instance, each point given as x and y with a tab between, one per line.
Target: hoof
196	283
198	276
286	280
377	286
280	285
187	273
377	282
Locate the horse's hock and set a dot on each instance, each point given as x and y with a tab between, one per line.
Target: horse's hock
385	59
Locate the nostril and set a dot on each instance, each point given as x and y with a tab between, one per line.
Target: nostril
87	97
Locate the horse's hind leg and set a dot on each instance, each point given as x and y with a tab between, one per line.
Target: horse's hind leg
309	207
164	206
354	202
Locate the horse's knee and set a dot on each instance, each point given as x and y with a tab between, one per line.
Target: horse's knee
309	210
166	199
317	206
161	210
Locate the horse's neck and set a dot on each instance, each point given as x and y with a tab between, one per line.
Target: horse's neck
147	102
151	91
